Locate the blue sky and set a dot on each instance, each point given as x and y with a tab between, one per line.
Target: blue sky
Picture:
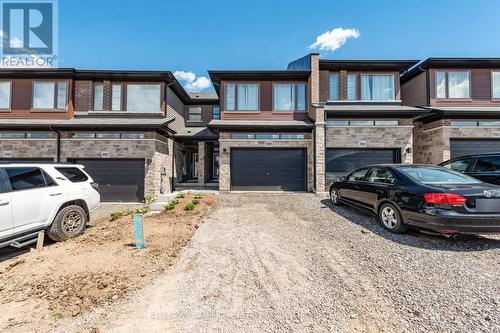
198	35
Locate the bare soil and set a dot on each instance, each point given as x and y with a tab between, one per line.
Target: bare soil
39	291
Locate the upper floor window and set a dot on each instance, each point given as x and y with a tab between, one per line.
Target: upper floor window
334	87
5	89
352	90
194	114
289	97
495	85
216	112
377	87
451	85
241	96
50	95
98	97
143	97
116	97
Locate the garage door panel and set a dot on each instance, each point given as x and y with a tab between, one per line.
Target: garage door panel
341	161
268	169
119	180
462	147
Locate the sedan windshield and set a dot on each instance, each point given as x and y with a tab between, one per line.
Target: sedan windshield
437	176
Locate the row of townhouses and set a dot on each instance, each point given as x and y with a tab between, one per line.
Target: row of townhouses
139	133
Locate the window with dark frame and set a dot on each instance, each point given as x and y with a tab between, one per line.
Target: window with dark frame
334	87
5	94
289	97
495	84
98	97
116	97
452	84
51	95
216	112
241	96
194	114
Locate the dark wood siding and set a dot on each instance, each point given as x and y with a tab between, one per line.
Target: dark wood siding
414	91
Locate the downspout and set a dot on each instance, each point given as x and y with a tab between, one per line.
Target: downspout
58	143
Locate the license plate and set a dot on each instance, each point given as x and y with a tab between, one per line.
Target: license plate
488	205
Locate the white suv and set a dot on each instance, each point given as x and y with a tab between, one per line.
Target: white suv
57	198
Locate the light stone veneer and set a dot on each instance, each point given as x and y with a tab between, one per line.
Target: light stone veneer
156	150
432	141
225	156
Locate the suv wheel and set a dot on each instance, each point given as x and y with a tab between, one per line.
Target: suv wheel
334	196
69	222
391	219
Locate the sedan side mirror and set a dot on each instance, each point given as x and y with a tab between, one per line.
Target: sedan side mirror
343	178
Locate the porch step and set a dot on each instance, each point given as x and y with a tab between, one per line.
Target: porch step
196	186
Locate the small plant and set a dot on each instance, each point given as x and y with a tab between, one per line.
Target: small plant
175	201
189	206
128	212
195	201
198	196
149	200
180	195
143	210
56	315
169	206
116	215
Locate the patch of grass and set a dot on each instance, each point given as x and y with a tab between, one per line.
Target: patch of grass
170	206
195	201
189	206
56	315
180	195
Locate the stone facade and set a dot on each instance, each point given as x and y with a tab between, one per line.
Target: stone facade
226	143
432	140
28	149
319	143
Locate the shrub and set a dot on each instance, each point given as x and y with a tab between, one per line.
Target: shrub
116	215
174	201
169	206
195	201
143	210
198	196
180	195
189	206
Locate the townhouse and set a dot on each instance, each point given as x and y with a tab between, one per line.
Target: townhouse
462	99
139	133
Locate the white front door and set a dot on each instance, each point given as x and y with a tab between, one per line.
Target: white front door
6	222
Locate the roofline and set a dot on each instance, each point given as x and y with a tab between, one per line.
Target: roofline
380	64
447	62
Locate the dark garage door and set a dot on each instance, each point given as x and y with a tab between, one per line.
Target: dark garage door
341	161
462	147
268	169
118	179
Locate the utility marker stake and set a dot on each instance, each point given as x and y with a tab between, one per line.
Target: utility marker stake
139	237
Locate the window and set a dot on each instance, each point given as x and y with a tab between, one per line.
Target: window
386	123
50	95
267	136
361	122
289	97
5	89
241	96
460	165
39	135
377	87
143	97
352	87
116	97
488	164
334	87
74	175
292	136
216	112
28	178
495	85
358	175
194	114
107	135
98	97
382	176
450	85
427	175
12	135
463	123
489	123
337	123
83	136
132	136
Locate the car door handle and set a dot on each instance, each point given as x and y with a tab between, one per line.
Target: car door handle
55	194
4	202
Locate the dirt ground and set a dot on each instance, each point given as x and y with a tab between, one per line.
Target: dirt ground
40	291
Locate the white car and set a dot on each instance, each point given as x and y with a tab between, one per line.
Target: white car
57	198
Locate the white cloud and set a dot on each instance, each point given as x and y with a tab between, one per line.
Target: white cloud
334	39
16	42
192	83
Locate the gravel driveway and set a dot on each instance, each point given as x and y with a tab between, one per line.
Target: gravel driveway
295	263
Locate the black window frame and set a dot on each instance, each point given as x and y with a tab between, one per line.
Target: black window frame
213	113
470	166
70	179
367	177
478	159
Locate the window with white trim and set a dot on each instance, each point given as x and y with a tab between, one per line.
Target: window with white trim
98	97
495	85
5	90
194	114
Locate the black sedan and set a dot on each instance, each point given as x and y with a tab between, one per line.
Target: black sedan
425	197
485	167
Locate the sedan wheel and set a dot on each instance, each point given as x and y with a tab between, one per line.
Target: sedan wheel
391	219
334	196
